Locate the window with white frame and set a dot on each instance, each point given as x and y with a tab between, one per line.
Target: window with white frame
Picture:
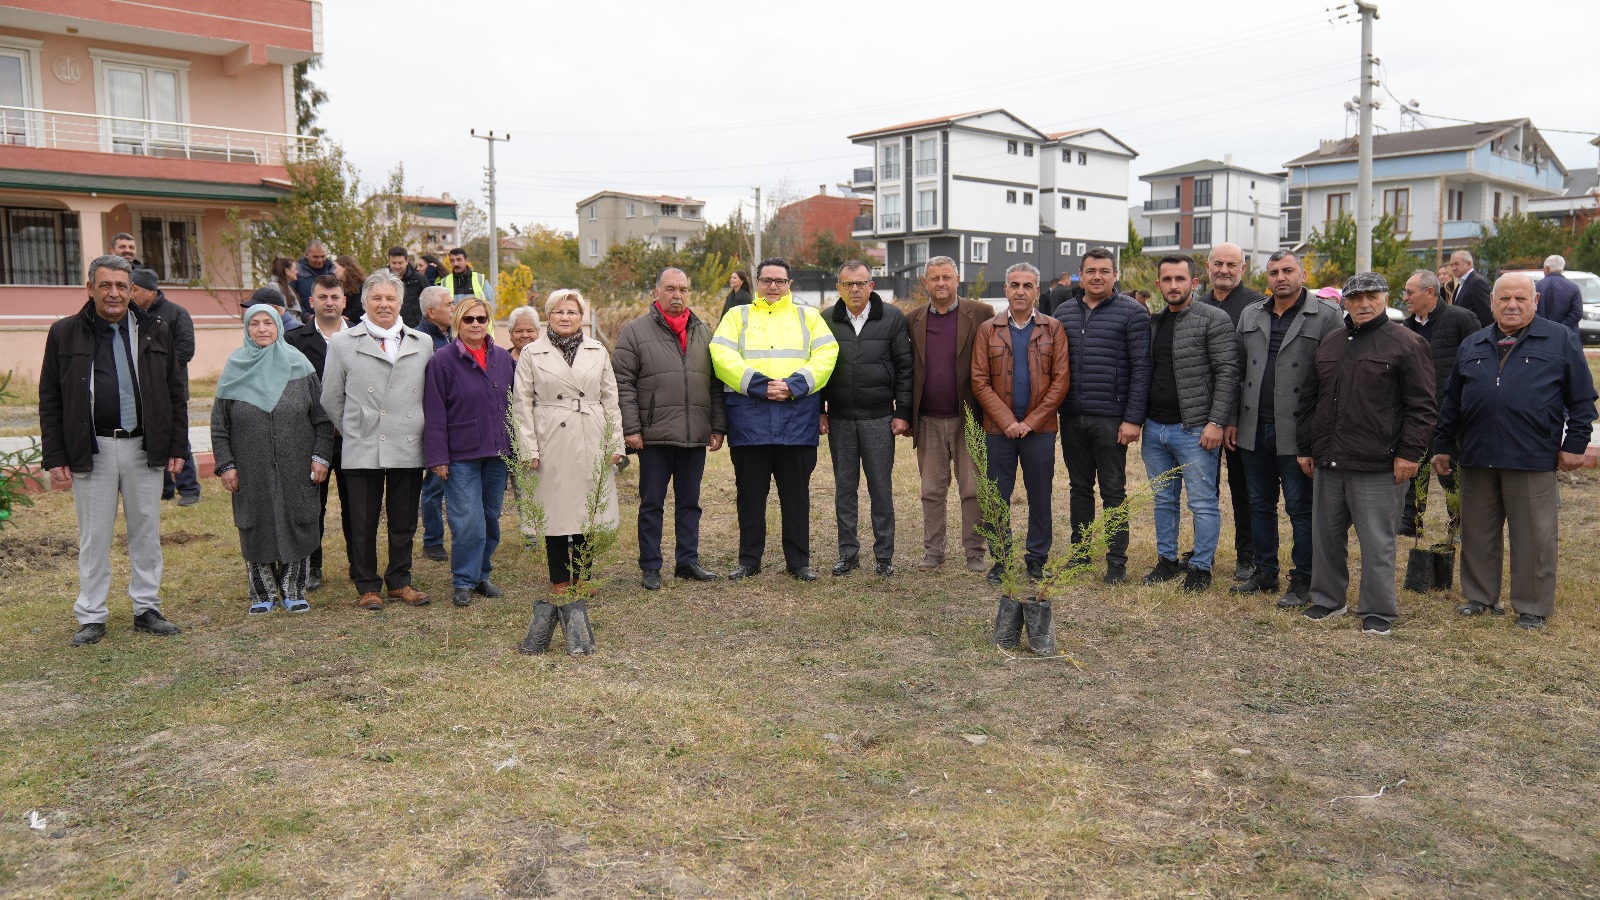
1011	196
1011	245
1027	198
19	89
890	217
1066	248
980	250
1082	204
1011	147
1082	248
39	246
594	246
670	242
927	156
594	211
630	210
1083	158
1066	202
927	208
669	209
889	164
1066	156
147	98
171	245
1027	149
1027	245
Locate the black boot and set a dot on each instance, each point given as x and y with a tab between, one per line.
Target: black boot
540	629
575	627
1008	624
1041	633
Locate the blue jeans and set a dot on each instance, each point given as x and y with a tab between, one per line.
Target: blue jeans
1167	447
432	509
1036	453
474	493
1266	472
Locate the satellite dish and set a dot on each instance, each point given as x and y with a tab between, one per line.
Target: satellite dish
1414	105
1349	107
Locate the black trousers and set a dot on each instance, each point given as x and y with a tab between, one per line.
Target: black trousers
1239	494
1089	446
755	469
682	468
337	475
565	554
367	493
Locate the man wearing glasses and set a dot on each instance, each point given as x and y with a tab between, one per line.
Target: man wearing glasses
773	357
866	404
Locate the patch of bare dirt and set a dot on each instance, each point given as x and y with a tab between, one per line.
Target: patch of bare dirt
44	551
174	538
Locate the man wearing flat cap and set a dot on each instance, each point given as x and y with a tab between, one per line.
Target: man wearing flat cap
1363	423
145	292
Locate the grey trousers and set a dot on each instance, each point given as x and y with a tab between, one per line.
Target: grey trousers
1371	502
1526	503
120	470
854	445
941	447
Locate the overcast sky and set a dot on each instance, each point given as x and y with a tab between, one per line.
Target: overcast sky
710	99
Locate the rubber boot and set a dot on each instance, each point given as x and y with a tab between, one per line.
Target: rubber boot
1041	632
1008	623
575	627
540	629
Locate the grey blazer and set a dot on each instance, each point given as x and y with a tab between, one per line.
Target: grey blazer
375	404
1296	358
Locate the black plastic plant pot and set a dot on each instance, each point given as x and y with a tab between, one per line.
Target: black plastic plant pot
1420	568
1444	567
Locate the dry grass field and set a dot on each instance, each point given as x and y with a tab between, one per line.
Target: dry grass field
856	737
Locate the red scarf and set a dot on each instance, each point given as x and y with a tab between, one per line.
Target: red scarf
679	325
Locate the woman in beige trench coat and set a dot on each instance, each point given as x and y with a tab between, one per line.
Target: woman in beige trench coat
565	397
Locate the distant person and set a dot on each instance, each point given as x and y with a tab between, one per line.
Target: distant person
525	328
410	304
438	318
1447	285
285	276
315	262
1361	424
271	296
111	440
428	267
1560	301
1444	327
463	281
1472	291
124	245
146	293
273	445
672	412
1060	291
352	278
865	406
739	291
1519	406
373	381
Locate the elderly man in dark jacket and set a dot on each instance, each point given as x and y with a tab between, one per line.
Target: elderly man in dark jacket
1560	301
1108	343
672	410
866	404
1278	337
1225	270
1444	327
113	413
1520	405
1194	387
146	293
1362	424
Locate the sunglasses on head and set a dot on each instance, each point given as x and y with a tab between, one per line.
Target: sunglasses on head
474	320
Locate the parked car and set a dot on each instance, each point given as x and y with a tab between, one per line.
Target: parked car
1589	286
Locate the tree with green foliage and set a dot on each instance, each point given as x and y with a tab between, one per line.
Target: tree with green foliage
326	202
1519	241
308	98
17	468
828	252
1332	256
1585	256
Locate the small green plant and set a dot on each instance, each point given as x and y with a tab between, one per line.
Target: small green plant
525	486
598	537
994	511
1078	563
17	471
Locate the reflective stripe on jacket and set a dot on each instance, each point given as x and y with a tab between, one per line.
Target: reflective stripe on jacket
763	341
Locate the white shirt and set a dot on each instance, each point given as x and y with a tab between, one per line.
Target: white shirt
858	322
343	325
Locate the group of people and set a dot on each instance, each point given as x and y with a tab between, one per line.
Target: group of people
1333	410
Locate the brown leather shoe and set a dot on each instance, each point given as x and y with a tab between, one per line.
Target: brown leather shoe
370	600
559	588
410	595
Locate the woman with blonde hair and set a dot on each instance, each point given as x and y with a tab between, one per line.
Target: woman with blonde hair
565	400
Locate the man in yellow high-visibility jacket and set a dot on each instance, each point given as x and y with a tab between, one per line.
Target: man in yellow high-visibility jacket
773	357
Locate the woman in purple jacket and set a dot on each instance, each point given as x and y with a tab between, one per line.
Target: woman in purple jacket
465	441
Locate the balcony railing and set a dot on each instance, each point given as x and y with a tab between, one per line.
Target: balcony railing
60	130
889	221
889	171
861	176
1166	240
1169	203
862	225
927	167
1462	229
926	217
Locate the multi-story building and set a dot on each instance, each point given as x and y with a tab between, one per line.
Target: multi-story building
1194	207
1442	185
799	223
613	217
434	227
975	186
147	119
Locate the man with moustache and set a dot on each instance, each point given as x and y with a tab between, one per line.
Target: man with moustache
942	335
1278	337
1225	270
1444	327
311	339
1194	388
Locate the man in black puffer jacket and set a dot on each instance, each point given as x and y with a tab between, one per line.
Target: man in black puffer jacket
865	404
1108	352
672	410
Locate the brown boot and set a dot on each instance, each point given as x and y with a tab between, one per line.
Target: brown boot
370	600
409	595
559	588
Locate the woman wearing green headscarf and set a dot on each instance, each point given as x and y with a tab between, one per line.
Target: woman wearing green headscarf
268	415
